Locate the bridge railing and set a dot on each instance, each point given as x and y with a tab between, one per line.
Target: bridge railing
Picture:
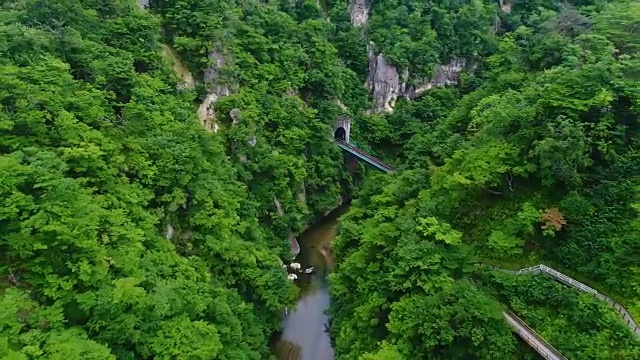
541	268
364	154
537	342
370	158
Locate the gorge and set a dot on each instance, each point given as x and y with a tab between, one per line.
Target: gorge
162	160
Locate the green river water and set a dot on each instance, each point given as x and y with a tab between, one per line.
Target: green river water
304	336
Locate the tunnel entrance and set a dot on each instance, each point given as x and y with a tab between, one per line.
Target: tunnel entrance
340	134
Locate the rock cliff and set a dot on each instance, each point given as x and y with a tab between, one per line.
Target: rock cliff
216	89
387	85
383	81
448	74
188	82
505	6
359	12
293	242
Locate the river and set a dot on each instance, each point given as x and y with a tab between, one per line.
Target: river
304	336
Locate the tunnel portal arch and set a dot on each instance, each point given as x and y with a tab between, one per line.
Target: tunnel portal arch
342	129
340	134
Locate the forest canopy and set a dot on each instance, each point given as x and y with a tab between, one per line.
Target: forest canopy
155	161
533	158
127	230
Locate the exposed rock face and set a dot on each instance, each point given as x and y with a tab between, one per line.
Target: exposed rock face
293	242
176	235
279	210
444	75
188	82
144	4
215	90
206	114
386	84
505	5
212	73
339	201
169	233
359	11
235	116
341	105
383	81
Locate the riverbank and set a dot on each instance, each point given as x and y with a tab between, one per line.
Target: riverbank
304	335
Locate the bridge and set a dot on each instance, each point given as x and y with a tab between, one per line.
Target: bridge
341	134
378	164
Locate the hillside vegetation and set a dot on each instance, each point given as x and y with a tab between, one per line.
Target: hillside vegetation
533	158
126	230
133	228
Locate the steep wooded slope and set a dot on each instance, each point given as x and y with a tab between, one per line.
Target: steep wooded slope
532	158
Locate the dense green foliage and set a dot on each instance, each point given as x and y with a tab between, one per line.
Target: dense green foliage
533	158
271	57
578	325
128	231
416	35
397	270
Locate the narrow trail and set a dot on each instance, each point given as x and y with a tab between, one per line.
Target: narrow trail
543	269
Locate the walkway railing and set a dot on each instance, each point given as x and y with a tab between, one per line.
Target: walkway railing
538	269
540	345
537	342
